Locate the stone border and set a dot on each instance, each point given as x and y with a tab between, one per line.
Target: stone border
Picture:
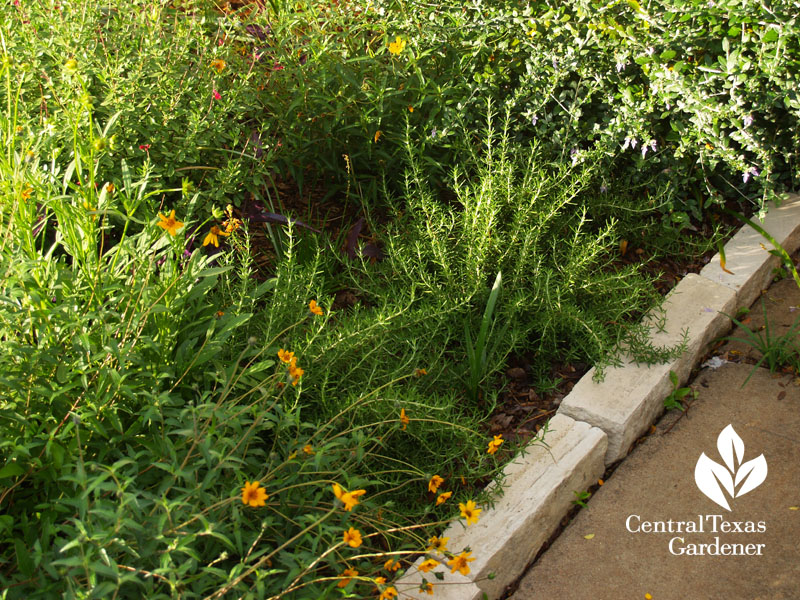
597	423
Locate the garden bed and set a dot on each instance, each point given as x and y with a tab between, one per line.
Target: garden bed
258	244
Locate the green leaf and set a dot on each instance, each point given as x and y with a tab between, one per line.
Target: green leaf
24	561
11	470
770	36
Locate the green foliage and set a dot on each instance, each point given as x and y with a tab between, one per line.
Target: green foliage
581	498
676	396
477	352
776	350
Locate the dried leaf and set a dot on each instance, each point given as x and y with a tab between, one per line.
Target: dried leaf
588	536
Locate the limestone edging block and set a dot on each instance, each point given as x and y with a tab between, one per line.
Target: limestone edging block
537	493
630	397
749	264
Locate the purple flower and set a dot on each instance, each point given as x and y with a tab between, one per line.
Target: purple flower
534	119
752	171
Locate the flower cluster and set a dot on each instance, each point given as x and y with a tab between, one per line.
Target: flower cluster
229	225
289	358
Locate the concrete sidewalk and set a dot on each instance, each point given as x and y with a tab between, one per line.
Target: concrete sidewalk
656	485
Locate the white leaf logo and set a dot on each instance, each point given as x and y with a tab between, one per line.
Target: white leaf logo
712	478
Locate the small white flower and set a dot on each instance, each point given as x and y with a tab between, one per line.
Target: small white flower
748	120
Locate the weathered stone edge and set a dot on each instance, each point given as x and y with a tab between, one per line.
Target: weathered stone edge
537	493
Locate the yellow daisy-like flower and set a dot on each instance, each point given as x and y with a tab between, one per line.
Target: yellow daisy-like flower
349	499
218	65
495	444
438	544
352	537
428	565
285	355
348	573
213	236
403	418
254	495
308	449
470	512
434	483
443	498
460	563
388	594
426	587
315	308
170	224
397	46
379	580
391	565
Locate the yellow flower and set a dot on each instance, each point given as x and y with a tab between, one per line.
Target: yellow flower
437	543
350	573
391	565
420	372
352	537
426	587
308	449
397	46
295	372
443	498
213	236
350	499
254	495
110	188
403	418
495	444
410	109
459	563
377	136
428	564
285	355
315	308
388	594
26	193
380	580
218	64
470	512
648	597
434	483
170	223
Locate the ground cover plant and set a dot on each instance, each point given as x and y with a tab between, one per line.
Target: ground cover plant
178	420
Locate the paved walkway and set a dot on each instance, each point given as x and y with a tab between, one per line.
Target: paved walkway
606	552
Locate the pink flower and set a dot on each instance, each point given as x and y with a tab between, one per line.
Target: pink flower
277	67
216	95
145	147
